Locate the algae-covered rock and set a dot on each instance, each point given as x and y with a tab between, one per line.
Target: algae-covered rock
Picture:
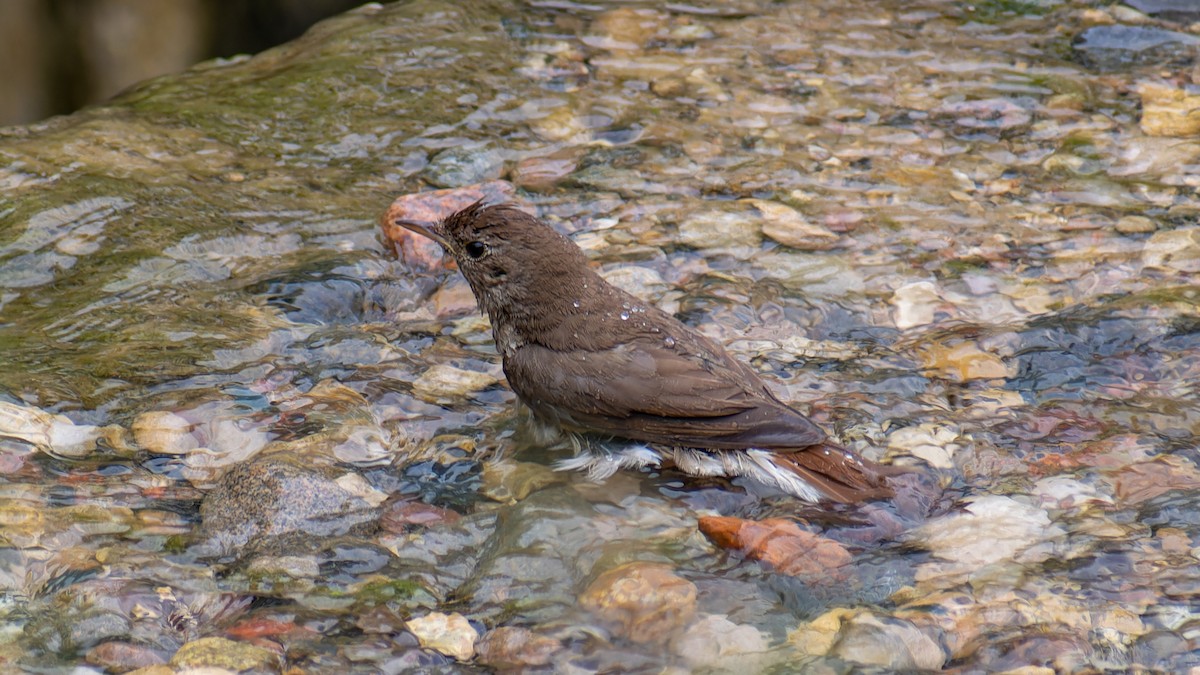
135	235
220	653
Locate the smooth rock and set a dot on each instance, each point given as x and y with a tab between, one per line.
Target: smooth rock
511	647
1182	11
96	627
625	29
542	174
894	644
720	229
56	434
1144	481
364	445
991	529
562	125
714	643
1135	225
291	566
443	384
935	443
459	167
782	544
164	432
1175	249
816	637
641	602
117	656
816	275
916	304
278	502
1119	47
1064	492
963	362
230	440
789	227
454	299
230	655
403	515
449	634
641	282
1168	111
510	481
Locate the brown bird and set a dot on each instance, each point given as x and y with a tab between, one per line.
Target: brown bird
597	362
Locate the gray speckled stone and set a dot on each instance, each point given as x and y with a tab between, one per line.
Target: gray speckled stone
275	505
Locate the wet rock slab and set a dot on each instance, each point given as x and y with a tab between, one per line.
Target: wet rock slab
1181	11
1119	46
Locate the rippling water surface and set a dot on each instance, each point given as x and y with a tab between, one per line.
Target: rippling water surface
237	431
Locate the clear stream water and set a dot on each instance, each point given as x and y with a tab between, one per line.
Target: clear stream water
955	233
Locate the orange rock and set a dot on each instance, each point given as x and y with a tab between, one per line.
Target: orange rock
430	207
256	627
781	544
411	247
404	514
963	361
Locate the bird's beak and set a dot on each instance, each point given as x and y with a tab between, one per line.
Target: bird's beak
429	231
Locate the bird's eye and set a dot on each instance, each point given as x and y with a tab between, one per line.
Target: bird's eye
476	249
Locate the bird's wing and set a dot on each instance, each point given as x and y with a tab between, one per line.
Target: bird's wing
683	391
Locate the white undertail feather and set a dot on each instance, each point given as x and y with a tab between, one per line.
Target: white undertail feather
601	460
600	465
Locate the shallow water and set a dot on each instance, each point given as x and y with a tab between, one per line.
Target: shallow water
951	232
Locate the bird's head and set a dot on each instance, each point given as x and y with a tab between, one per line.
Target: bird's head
511	259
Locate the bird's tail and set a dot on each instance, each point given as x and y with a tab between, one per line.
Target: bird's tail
838	473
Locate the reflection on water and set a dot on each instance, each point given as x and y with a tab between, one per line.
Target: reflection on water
236	431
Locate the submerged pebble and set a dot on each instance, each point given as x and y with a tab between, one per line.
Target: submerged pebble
276	503
782	545
1168	111
56	434
1174	249
889	643
460	167
715	643
641	602
448	384
991	529
960	235
164	432
220	654
449	634
719	229
934	443
787	226
122	657
509	647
